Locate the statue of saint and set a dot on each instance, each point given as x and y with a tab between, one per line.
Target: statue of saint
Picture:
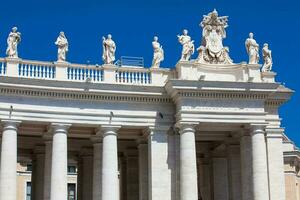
109	50
158	53
252	49
188	47
63	47
267	55
13	40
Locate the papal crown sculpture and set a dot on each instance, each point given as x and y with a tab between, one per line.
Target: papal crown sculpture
211	50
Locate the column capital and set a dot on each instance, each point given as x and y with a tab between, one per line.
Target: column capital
257	129
10	124
109	129
186	128
96	139
59	127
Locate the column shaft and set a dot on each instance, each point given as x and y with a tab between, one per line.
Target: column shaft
47	169
220	179
188	164
234	160
246	168
59	190
143	171
38	183
97	170
110	182
275	163
8	175
259	164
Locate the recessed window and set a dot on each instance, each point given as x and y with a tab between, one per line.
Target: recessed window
29	168
71	191
71	169
28	190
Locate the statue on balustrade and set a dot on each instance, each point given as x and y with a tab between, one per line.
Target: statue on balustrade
212	50
14	38
63	47
109	50
188	47
252	49
267	56
158	53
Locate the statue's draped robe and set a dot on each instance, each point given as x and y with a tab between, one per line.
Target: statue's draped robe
109	49
252	50
12	44
62	44
158	54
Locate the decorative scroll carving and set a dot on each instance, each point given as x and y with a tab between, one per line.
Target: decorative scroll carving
212	50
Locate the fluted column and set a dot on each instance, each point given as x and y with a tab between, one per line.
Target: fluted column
97	169
110	182
59	190
188	164
8	175
259	164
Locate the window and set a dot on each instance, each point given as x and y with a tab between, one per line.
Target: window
71	191
29	168
28	190
72	169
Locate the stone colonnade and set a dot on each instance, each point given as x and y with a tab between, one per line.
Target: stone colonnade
261	164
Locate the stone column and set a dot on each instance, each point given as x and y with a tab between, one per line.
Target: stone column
38	173
97	169
87	173
8	175
246	166
110	181
188	164
132	185
159	168
220	173
275	163
47	169
143	171
59	190
0	153
234	165
259	164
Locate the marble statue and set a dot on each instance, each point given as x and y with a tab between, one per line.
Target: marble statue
267	56
14	38
158	53
188	47
252	49
63	47
212	50
109	50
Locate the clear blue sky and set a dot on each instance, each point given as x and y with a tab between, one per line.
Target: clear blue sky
133	23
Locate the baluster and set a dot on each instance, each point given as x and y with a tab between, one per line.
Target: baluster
68	73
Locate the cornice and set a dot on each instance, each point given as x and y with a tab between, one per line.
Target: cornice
82	95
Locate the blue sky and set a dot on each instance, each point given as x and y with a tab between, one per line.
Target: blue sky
133	23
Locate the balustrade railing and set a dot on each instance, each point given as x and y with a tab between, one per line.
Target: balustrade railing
111	74
133	76
2	67
43	70
82	73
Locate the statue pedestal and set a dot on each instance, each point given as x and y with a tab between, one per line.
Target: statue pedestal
268	77
12	66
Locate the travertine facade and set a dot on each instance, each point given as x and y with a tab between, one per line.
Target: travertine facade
207	129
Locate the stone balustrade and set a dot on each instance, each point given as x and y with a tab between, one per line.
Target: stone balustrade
130	75
64	71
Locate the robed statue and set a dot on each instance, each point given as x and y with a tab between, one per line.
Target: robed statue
109	50
267	56
62	47
14	38
212	50
188	47
158	53
252	49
